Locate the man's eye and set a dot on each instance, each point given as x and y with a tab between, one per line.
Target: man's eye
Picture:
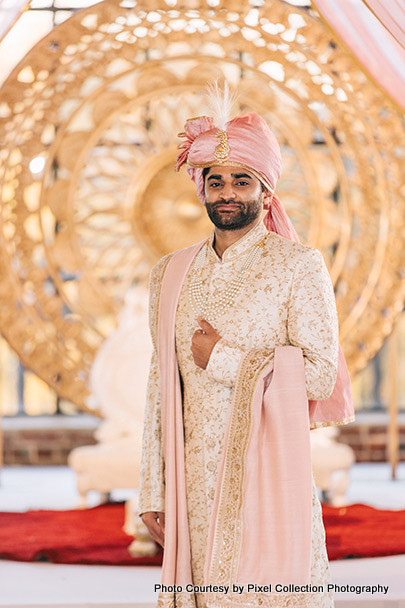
215	184
242	183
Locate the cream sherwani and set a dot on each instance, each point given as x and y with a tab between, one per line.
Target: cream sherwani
287	299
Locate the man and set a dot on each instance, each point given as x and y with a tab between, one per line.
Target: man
208	460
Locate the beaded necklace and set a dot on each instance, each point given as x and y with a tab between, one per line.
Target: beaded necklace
210	309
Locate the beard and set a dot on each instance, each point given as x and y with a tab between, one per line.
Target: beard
234	219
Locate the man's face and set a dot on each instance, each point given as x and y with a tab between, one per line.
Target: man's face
234	197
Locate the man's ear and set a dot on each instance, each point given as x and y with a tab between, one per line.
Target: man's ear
267	196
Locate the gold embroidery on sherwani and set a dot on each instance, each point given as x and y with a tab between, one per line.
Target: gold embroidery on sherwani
258	320
271	311
166	600
319	576
176	599
228	533
152	471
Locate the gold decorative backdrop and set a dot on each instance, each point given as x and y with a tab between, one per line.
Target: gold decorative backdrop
90	201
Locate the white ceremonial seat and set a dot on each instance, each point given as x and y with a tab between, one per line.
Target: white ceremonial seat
118	381
331	463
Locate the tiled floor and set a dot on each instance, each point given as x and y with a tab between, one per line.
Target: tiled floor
42	585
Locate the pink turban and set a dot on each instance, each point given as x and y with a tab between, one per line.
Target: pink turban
247	142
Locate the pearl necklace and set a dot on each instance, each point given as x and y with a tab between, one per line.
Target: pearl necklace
212	309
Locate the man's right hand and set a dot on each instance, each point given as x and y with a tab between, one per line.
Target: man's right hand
155	522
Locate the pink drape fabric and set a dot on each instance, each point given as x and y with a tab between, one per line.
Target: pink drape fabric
340	402
277	470
392	16
176	559
277	220
277	505
376	40
341	399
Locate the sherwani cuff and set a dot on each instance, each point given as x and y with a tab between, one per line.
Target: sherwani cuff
224	363
154	506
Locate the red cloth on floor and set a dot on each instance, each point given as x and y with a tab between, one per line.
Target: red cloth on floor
95	536
79	536
362	531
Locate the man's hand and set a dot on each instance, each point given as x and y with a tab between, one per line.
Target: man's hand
155	522
202	343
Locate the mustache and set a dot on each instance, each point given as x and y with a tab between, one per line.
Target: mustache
224	202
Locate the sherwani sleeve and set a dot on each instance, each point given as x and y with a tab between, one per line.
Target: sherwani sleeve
312	326
224	363
152	480
313	323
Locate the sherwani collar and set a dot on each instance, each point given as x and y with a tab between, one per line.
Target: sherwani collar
241	246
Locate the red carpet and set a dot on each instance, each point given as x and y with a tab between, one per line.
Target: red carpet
94	536
82	536
362	531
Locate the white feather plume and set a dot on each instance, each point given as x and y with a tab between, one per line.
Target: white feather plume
220	102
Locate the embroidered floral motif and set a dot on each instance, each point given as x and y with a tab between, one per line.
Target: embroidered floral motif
152	485
225	558
222	150
269	311
176	600
207	394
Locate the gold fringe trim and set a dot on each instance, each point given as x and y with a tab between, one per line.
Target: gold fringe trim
320	425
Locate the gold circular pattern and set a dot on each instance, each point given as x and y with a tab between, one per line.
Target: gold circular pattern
90	199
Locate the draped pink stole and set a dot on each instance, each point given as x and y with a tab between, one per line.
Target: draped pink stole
270	527
176	559
277	493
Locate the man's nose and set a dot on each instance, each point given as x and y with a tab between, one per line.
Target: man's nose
227	192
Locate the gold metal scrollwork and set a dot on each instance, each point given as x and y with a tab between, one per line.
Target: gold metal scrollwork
88	125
